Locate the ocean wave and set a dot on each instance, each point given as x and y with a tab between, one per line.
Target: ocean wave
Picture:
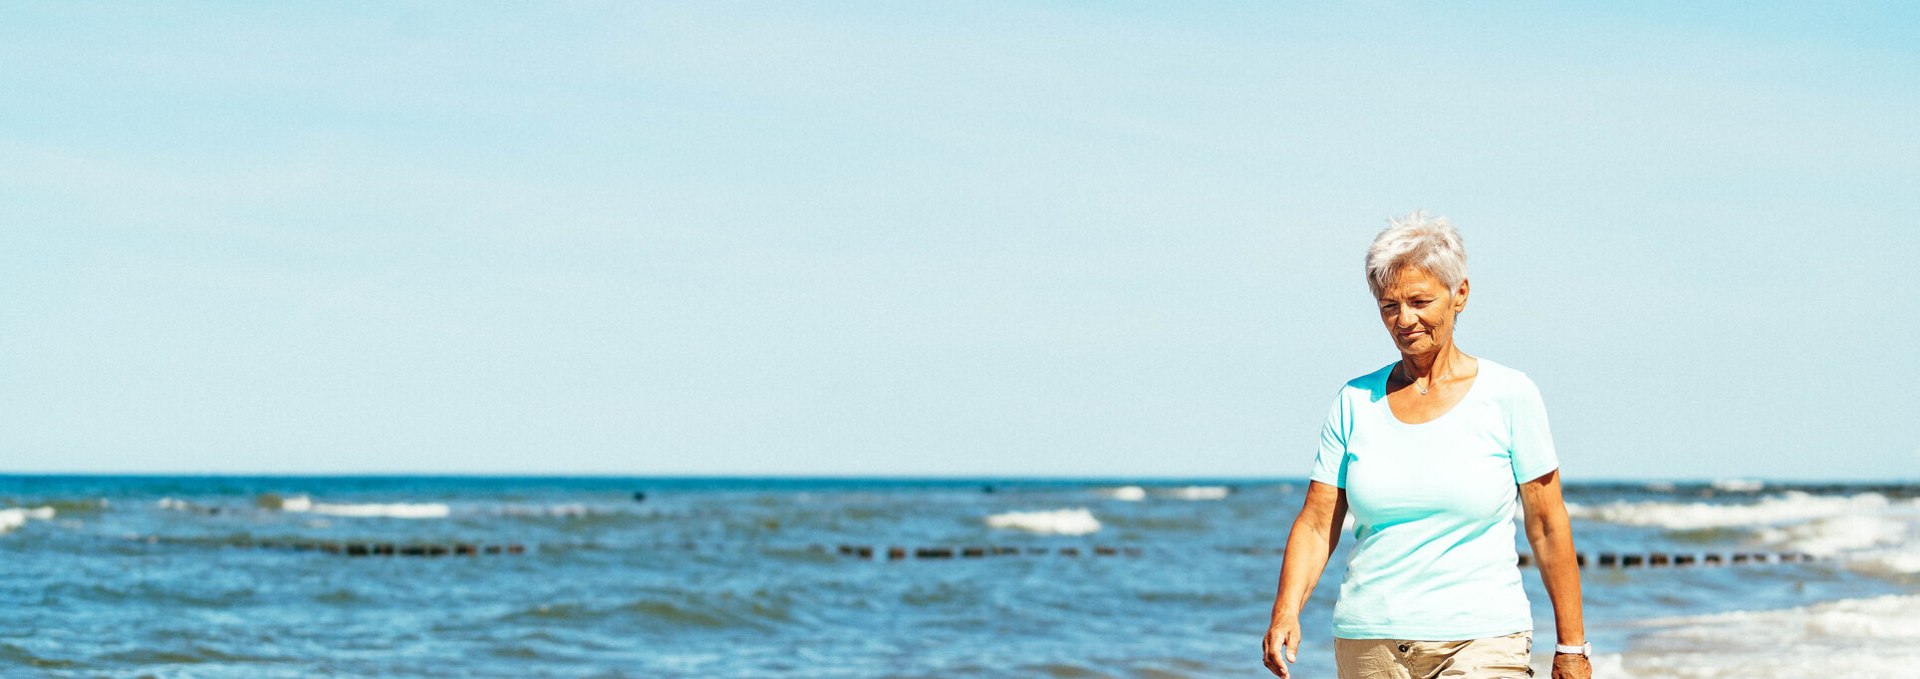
565	511
424	510
13	655
1877	637
1739	485
1866	532
1057	522
1890	561
1125	493
288	503
395	510
1896	561
1787	507
1837	535
16	517
674	611
183	655
1198	492
81	507
177	505
1137	493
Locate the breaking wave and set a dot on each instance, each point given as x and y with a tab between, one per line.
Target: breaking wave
1867	530
396	510
1125	493
1787	507
1137	493
1057	522
17	516
1877	637
1199	492
1739	485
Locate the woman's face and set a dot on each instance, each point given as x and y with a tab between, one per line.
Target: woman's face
1419	310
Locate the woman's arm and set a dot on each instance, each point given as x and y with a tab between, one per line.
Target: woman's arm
1316	531
1552	539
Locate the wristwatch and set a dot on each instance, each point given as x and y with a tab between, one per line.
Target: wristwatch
1585	649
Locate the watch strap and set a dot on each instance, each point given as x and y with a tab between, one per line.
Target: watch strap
1585	649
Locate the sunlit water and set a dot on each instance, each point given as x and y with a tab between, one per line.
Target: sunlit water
132	576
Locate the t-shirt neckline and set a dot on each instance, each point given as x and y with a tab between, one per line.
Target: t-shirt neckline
1386	378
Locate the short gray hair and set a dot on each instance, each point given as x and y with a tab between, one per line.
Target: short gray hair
1430	243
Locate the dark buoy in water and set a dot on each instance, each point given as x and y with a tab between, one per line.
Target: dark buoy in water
639	496
988	489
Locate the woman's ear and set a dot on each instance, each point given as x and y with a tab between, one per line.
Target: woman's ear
1460	297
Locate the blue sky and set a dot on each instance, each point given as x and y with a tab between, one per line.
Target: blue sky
887	238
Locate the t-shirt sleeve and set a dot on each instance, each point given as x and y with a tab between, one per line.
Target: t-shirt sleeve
1531	440
1330	466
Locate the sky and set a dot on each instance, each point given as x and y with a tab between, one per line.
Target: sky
1058	239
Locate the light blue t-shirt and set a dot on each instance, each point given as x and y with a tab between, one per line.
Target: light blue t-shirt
1433	507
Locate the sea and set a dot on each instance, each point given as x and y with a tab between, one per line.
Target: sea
227	576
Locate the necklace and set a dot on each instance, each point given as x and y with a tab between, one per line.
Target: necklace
1416	385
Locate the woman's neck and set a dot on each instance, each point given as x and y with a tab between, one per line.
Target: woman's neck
1442	363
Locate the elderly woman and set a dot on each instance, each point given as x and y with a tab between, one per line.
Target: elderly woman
1431	453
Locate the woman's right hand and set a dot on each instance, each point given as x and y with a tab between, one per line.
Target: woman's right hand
1283	637
1315	533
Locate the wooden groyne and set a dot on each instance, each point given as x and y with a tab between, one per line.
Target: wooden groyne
887	553
1679	559
349	548
1593	560
1585	560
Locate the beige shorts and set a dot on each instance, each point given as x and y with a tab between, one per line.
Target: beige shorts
1490	658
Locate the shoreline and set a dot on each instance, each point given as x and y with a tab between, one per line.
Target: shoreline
1857	637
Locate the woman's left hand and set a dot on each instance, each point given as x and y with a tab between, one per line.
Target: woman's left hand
1570	666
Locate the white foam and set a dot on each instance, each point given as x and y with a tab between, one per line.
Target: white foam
1127	493
1739	485
1836	535
1058	522
424	510
285	503
1878	637
301	504
1787	507
1199	492
1605	664
17	516
1896	561
1867	532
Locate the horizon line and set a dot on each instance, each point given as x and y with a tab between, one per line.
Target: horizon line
1151	478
